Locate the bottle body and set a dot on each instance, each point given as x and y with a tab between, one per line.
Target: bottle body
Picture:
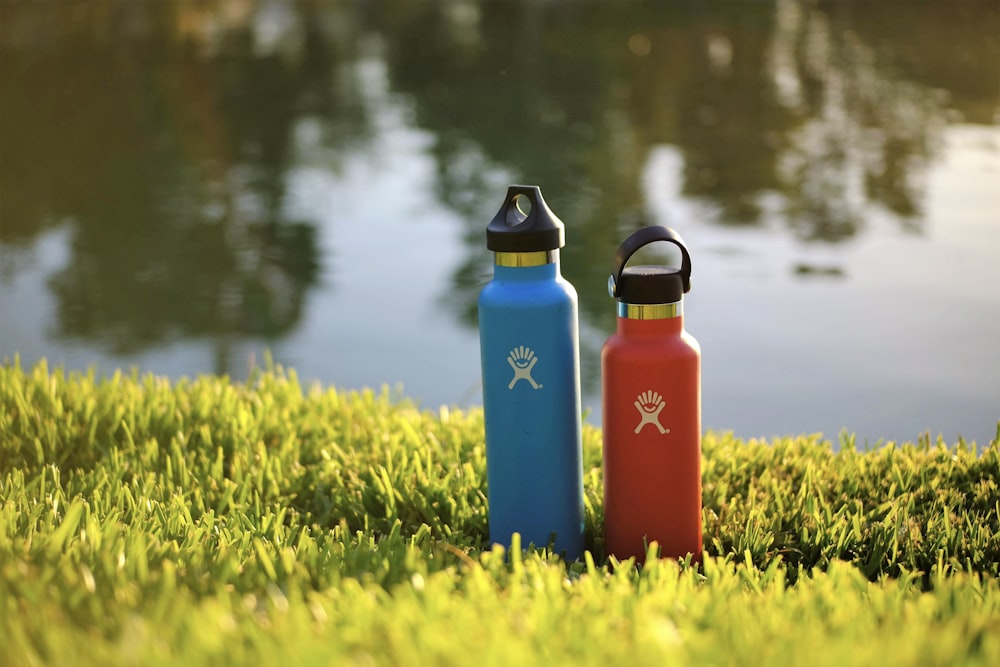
651	399
529	344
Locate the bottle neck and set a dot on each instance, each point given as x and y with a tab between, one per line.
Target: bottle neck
526	265
650	319
524	259
650	311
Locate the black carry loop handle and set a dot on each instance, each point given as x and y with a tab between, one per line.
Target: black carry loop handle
649	284
514	230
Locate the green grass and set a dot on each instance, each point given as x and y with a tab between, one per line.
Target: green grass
209	522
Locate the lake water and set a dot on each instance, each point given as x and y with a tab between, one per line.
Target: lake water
187	186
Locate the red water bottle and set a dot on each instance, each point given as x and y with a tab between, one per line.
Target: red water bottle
651	397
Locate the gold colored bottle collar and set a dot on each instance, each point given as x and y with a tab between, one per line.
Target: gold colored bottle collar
650	311
517	259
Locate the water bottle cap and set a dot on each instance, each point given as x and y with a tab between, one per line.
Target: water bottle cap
524	223
650	284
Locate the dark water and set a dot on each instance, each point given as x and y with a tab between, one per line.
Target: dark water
186	185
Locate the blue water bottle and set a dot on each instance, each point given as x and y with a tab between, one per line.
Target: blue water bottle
529	342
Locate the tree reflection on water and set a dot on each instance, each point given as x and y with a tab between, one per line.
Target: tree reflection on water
164	146
161	134
806	106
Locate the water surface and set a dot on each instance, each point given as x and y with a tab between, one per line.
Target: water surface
184	186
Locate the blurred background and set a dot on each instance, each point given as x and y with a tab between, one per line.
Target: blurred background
187	186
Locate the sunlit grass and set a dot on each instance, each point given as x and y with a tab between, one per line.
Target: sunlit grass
209	522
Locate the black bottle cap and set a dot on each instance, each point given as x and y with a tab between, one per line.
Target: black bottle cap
525	223
650	284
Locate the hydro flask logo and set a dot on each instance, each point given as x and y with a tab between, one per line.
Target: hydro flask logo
522	359
649	404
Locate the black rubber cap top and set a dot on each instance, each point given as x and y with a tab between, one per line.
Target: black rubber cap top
650	284
525	223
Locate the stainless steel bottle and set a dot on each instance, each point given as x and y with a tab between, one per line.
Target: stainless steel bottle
528	331
651	397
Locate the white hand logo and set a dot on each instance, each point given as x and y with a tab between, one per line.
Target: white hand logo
650	404
522	359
